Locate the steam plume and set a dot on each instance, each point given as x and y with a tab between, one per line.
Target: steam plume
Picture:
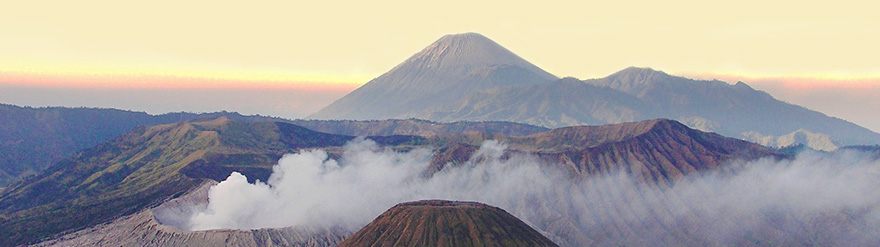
816	198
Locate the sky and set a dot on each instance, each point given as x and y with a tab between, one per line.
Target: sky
290	58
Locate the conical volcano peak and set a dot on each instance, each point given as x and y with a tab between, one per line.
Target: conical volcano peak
443	203
468	50
446	223
463	36
434	80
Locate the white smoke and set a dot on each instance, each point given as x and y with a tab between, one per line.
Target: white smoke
308	188
816	198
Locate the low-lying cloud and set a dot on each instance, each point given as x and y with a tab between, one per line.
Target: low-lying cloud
814	199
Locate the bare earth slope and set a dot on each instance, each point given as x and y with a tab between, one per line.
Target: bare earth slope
655	151
445	223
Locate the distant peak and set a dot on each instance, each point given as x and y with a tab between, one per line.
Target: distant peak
468	50
635	80
640	71
666	123
741	84
468	46
469	35
569	79
464	39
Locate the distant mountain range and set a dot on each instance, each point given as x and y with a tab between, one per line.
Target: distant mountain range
468	77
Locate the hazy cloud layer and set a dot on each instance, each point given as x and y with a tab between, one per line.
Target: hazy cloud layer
285	103
825	199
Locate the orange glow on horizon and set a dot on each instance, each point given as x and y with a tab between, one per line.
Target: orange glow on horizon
164	82
796	82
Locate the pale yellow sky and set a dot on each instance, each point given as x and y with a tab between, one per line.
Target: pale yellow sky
334	46
332	41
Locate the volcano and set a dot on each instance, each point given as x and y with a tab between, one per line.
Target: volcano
446	223
468	77
435	79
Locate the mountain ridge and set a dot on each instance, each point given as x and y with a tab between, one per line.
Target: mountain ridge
435	78
418	89
32	139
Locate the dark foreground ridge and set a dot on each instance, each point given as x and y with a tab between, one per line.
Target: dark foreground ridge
446	223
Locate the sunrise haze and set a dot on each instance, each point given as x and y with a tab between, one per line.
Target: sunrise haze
289	59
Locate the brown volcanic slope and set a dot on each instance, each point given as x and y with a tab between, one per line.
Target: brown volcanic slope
446	223
655	151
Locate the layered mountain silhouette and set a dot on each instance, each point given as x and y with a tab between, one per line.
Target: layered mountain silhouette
446	223
435	79
467	77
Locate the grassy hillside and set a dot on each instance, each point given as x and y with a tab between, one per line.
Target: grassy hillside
146	167
32	139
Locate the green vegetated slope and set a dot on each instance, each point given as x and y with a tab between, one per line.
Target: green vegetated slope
32	139
146	167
